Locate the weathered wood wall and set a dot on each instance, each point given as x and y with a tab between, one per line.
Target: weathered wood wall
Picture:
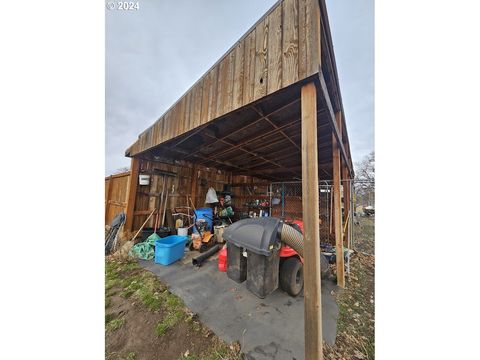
190	180
282	48
116	194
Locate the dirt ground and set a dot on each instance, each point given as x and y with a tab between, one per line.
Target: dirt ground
356	321
143	320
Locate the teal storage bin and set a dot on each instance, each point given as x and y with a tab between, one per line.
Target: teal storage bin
169	249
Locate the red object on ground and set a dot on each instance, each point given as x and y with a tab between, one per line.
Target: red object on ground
286	251
222	260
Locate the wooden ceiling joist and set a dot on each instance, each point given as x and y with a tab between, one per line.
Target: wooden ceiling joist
273	162
276	127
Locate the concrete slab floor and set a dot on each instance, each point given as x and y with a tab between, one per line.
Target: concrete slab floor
270	328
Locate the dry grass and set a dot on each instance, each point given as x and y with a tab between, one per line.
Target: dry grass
356	322
124	279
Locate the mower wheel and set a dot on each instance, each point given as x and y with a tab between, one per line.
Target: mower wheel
291	276
324	267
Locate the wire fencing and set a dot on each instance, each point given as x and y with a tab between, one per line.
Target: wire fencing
287	204
284	201
364	216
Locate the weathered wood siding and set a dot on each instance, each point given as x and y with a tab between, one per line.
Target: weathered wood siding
281	49
188	180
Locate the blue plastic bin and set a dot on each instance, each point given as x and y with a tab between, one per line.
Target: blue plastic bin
169	249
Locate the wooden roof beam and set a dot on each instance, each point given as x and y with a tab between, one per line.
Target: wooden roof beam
333	123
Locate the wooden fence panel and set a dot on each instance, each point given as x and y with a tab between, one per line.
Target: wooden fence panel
116	195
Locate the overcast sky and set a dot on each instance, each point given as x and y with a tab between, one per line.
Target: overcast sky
154	54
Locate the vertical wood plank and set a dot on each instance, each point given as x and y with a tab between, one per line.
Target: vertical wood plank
169	125
161	136
228	104
312	282
312	39
193	99
275	32
188	110
238	76
180	116
290	42
302	37
197	104
337	207
222	93
158	131
154	133
249	68
152	200
213	94
132	193
261	40
173	119
206	98
193	184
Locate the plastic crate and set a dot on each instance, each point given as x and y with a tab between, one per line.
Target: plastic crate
169	249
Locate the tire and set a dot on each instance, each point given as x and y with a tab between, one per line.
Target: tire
291	276
324	267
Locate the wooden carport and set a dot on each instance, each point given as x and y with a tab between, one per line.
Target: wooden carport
269	109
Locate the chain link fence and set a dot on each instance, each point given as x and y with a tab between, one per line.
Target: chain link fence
287	205
284	201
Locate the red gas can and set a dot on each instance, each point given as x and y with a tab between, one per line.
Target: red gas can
222	260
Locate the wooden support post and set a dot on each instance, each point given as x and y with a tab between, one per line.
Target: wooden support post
132	193
346	205
337	207
311	267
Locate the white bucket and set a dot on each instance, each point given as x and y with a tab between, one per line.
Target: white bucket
182	231
218	230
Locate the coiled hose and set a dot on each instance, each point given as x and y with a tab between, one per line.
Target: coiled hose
292	237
